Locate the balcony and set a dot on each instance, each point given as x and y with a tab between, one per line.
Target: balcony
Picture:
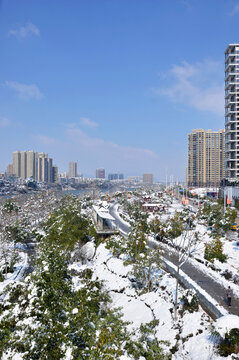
230	82
230	73
232	53
229	64
230	101
230	92
230	111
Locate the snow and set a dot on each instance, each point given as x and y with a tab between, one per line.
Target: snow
18	272
226	323
143	308
192	332
88	250
133	309
195	327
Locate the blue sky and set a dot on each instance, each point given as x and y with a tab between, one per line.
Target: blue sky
112	83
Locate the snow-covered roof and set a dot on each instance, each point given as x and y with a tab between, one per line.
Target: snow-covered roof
103	213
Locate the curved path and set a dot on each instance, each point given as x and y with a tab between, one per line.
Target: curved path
215	289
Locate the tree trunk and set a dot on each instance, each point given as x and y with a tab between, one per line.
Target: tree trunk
176	295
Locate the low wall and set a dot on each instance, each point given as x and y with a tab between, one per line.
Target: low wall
206	301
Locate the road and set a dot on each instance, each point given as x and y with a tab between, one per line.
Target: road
215	289
118	221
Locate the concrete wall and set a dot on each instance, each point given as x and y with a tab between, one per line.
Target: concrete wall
205	302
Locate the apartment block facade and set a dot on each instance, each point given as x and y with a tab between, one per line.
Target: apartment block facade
39	166
232	111
206	157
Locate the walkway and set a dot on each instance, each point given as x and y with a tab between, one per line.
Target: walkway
215	289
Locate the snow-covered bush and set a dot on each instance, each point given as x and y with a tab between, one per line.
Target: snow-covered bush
214	250
226	329
190	300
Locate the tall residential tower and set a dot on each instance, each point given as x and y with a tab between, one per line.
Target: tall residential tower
232	111
205	158
72	169
39	166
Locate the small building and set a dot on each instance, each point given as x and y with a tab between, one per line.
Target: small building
105	223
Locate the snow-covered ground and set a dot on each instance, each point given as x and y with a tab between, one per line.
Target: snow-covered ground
230	247
190	336
18	273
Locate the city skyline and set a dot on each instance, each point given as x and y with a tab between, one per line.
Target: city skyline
31	164
116	86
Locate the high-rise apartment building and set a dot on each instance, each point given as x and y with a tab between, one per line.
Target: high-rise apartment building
23	164
232	111
55	174
100	173
205	157
32	164
16	161
72	169
148	178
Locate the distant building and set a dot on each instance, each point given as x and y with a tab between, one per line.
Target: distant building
16	157
148	178
23	164
205	157
55	174
62	174
32	164
116	176
72	169
100	173
10	169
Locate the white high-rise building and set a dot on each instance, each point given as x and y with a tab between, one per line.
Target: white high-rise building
232	112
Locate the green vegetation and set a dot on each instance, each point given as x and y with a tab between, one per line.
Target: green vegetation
45	317
214	250
213	214
229	344
9	206
67	226
190	301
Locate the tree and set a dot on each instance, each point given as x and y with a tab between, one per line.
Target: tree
147	346
67	226
184	239
214	250
146	268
